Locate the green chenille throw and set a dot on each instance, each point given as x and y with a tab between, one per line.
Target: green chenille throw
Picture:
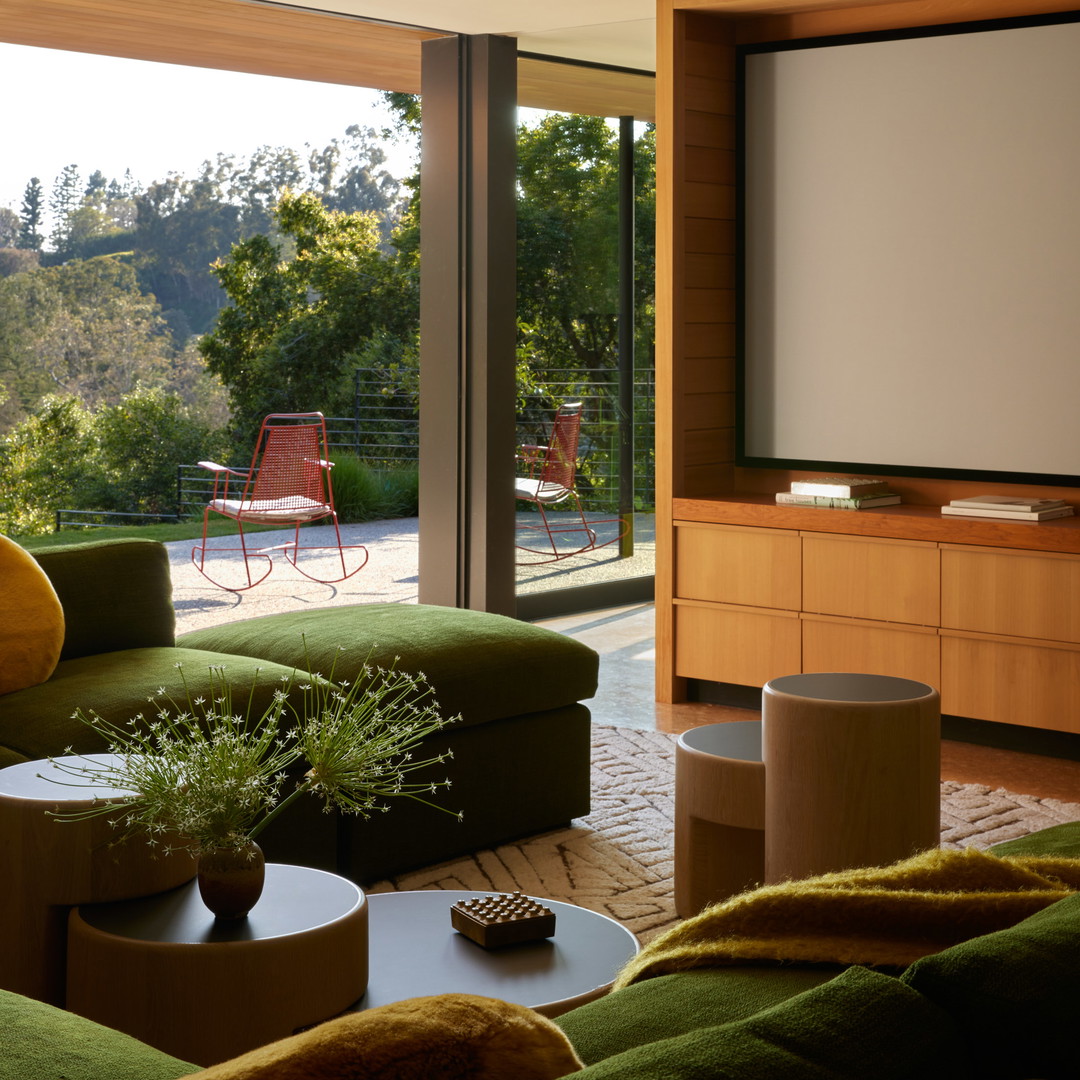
44	1043
889	916
483	666
859	1025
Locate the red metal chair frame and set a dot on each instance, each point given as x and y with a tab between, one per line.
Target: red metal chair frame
288	483
549	481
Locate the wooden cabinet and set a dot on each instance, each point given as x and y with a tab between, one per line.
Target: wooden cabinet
995	629
731	565
737	616
876	648
1032	594
727	644
889	580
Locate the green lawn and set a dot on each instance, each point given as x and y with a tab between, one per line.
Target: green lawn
186	530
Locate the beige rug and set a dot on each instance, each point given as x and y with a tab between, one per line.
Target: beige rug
619	859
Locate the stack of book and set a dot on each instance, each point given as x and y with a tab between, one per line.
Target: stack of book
839	493
1009	508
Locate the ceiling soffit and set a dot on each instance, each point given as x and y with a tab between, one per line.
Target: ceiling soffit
267	39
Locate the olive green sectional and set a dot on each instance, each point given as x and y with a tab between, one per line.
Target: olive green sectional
520	749
1001	1006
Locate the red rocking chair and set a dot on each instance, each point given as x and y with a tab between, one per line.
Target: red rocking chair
288	483
550	480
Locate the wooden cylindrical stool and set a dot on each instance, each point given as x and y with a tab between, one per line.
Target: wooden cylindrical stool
854	768
719	813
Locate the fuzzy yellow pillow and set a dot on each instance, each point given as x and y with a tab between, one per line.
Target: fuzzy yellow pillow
445	1037
31	620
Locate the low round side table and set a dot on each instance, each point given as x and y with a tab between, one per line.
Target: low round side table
854	771
719	813
51	865
164	970
416	952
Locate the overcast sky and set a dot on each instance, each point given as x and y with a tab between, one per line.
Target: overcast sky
99	112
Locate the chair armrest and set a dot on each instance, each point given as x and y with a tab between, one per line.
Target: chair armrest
213	466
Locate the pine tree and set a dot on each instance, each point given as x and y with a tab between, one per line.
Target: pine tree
32	210
65	200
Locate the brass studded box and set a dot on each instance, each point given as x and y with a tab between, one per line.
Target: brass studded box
502	919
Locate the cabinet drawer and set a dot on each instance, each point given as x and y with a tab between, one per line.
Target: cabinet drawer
735	645
888	580
1016	593
1012	682
735	565
907	652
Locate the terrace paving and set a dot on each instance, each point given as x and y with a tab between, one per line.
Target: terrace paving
390	576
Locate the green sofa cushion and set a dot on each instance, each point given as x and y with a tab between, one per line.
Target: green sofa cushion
1013	993
483	666
37	722
859	1024
116	594
40	1042
1060	840
671	1005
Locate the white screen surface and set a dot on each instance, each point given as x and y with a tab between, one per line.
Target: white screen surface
912	252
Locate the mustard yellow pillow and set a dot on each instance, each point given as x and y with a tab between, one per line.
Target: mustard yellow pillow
443	1037
31	620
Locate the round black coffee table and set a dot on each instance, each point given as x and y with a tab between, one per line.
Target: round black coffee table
414	952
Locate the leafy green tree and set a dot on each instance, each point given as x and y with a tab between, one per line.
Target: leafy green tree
27	308
139	442
289	338
44	466
15	260
9	227
83	328
33	210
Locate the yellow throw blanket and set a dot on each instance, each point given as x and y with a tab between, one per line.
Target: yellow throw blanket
888	916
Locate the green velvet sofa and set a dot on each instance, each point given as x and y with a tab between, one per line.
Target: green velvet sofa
1001	1006
521	749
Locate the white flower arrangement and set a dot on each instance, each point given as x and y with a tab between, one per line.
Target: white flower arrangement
205	775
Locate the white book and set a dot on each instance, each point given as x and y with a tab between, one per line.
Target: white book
1009	515
836	502
1009	502
839	487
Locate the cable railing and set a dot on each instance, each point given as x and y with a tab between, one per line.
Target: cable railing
384	429
384	432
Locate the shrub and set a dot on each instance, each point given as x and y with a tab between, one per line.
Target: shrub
364	493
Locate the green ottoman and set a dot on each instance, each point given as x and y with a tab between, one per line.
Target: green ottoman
521	748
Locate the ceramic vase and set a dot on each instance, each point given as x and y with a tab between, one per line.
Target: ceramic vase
231	879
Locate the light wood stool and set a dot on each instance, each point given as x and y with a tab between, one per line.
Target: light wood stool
719	813
854	772
164	970
50	865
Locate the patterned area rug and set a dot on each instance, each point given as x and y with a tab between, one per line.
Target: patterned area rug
619	860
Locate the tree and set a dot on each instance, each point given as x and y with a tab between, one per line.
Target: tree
287	342
84	329
139	442
43	466
32	211
15	260
9	227
64	201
